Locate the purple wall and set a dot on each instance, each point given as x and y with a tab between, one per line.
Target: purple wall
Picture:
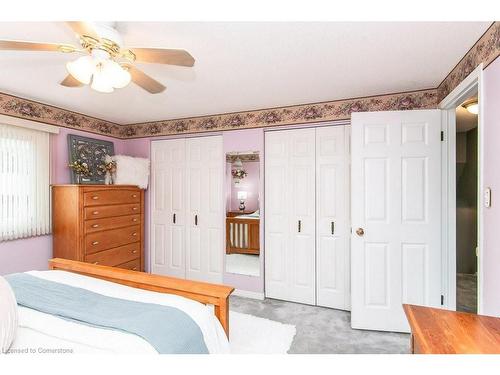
491	245
33	253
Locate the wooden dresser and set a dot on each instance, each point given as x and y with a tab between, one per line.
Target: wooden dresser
100	224
438	331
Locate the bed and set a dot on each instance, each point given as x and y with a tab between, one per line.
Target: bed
206	304
243	234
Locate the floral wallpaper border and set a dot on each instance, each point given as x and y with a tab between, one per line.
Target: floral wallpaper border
300	114
11	105
485	51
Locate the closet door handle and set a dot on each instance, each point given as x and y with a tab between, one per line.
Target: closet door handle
173	218
195	219
333	227
299	226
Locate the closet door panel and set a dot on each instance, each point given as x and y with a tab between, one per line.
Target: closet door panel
205	208
212	213
168	208
290	217
277	219
332	262
303	225
195	175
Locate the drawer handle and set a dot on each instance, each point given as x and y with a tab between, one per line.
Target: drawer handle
95	213
134	234
95	243
134	269
95	225
134	208
134	251
96	262
134	195
134	219
95	197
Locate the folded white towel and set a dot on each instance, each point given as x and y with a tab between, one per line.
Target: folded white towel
131	171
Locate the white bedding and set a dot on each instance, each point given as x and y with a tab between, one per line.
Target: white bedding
39	331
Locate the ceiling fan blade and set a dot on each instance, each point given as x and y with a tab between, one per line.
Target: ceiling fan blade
163	56
70	81
16	45
143	80
83	28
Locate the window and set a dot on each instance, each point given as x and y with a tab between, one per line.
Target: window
24	182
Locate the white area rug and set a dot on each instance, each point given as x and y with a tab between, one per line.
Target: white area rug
250	334
243	264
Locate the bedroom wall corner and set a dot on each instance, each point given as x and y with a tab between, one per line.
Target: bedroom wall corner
491	215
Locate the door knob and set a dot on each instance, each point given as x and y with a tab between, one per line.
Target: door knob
360	232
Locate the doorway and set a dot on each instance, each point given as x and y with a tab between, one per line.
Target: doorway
463	208
466	204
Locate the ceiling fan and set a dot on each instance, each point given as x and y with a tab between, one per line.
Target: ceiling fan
106	65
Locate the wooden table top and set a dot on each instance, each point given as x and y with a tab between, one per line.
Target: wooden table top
438	331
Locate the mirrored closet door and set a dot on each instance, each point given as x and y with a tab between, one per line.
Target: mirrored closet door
243	248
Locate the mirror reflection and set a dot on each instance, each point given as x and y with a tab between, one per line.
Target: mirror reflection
242	213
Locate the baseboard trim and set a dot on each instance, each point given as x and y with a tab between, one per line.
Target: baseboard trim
248	294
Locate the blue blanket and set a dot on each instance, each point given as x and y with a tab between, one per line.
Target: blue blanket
168	329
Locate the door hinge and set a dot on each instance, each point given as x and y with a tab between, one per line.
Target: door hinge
442	300
442	136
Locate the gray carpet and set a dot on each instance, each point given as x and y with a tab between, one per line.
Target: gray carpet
466	293
321	330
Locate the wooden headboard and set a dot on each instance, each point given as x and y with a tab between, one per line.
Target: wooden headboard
213	294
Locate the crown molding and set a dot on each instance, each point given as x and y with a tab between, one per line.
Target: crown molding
485	51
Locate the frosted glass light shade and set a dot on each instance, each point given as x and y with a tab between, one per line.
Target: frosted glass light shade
242	195
472	108
118	77
100	81
82	69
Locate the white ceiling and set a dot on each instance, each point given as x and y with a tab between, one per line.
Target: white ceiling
245	66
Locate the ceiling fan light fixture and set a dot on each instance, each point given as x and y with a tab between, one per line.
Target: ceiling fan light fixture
100	81
117	75
82	69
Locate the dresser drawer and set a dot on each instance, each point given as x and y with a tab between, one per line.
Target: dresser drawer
134	265
113	196
98	212
97	225
109	239
116	256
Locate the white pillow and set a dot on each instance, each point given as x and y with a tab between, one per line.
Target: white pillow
131	171
8	316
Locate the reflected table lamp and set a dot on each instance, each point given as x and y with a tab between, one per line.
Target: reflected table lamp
242	195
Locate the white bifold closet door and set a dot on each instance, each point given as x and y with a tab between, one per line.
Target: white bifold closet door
168	207
204	209
187	208
306	216
332	217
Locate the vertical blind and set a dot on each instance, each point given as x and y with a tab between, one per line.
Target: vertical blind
24	182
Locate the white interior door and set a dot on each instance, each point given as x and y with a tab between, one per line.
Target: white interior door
332	218
204	206
396	202
168	207
290	215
